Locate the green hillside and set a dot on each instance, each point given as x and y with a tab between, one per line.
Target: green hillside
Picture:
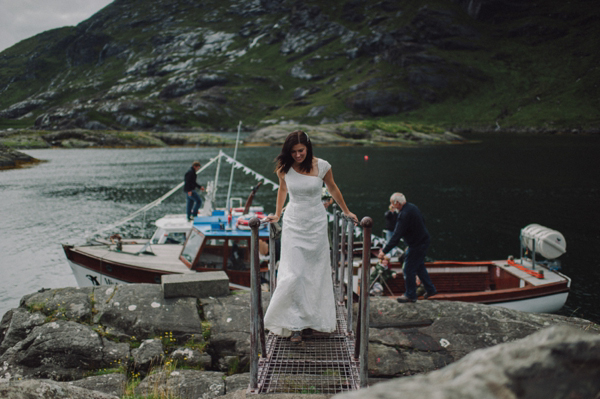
180	65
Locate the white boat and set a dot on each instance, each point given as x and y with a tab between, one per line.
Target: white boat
217	239
524	284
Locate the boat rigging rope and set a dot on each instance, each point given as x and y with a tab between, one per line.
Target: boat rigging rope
158	201
151	205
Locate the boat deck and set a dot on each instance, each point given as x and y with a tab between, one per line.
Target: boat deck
549	276
165	260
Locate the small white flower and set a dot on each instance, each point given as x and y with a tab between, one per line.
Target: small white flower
444	343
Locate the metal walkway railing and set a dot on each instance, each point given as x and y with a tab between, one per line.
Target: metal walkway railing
322	363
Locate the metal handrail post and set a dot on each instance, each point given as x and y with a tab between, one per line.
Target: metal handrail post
533	254
342	260
350	286
272	260
254	304
335	243
367	224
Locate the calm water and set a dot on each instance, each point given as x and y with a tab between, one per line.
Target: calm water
475	198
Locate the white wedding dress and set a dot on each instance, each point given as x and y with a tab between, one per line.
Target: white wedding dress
304	294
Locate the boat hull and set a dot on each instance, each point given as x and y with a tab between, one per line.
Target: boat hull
542	304
495	283
86	277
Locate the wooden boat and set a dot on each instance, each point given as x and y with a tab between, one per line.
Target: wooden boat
211	244
218	239
521	284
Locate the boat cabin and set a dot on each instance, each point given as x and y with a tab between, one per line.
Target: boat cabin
213	244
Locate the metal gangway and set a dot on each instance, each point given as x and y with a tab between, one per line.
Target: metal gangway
322	363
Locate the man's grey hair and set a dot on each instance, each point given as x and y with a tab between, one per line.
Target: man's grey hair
398	197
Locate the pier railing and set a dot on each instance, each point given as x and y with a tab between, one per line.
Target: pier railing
354	342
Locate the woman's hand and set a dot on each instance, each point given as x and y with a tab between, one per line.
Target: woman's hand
272	218
351	216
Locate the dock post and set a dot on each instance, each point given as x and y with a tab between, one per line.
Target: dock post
335	243
255	305
350	286
342	260
367	224
272	260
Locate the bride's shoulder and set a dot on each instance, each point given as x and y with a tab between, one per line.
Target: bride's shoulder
321	161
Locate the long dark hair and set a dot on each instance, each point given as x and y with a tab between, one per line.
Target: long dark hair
284	161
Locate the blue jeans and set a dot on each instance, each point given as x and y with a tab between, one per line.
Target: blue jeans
414	265
193	200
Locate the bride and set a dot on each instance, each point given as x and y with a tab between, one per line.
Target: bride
304	297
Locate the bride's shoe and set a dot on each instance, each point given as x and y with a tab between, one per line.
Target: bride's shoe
296	337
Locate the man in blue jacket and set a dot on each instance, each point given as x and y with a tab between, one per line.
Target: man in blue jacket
189	187
410	226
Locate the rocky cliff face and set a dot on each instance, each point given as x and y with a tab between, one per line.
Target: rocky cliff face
183	65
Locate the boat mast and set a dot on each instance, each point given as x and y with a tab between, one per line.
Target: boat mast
214	193
237	140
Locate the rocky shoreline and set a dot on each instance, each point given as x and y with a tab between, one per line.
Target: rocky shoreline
10	158
100	342
331	134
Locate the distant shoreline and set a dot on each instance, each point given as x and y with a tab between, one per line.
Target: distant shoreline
339	135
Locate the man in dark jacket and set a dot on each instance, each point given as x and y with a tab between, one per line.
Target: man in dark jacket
410	226
189	187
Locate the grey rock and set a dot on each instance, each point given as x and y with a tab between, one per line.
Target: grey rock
61	350
184	384
237	382
16	325
133	122
557	362
71	302
276	134
21	108
111	384
192	358
230	328
448	331
131	87
45	389
316	111
298	72
95	125
150	353
197	285
10	158
140	310
299	93
207	81
229	364
177	88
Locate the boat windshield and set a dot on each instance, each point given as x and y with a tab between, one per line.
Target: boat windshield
192	247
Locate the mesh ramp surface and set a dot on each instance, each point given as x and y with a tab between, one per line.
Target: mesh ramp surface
320	364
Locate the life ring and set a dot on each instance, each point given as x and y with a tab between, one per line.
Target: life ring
243	222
